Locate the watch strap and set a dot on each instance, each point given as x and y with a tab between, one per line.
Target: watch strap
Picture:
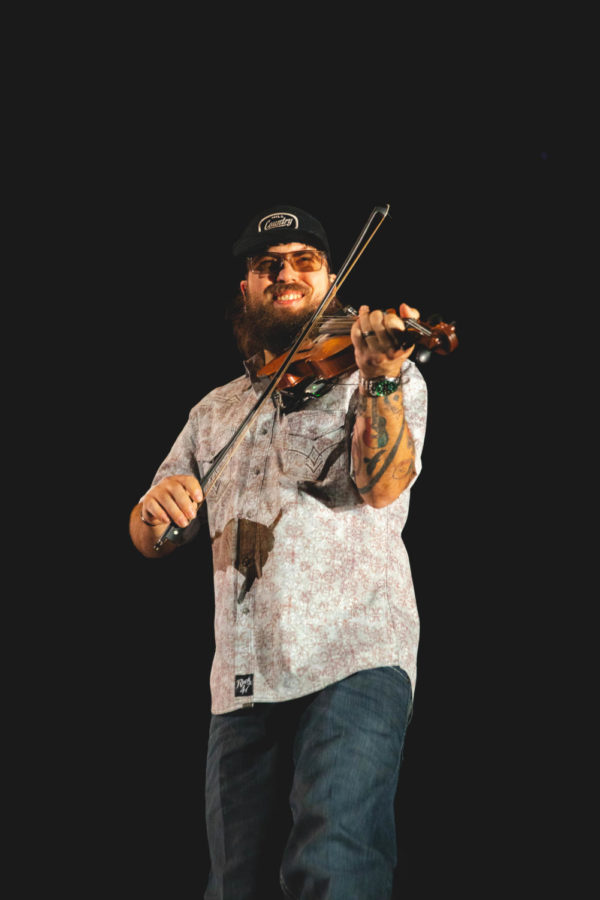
381	386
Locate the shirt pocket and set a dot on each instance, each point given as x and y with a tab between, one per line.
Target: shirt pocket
312	441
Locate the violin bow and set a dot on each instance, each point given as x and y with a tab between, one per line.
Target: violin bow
175	533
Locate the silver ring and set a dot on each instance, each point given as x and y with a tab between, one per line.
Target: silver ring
367	334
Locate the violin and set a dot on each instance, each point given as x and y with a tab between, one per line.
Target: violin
317	353
329	352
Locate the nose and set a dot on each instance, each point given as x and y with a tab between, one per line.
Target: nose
286	271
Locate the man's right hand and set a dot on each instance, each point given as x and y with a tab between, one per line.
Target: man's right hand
174	499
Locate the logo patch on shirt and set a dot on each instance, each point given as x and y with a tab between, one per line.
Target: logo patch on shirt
278	220
244	685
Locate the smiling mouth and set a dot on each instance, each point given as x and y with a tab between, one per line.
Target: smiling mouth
286	299
288	295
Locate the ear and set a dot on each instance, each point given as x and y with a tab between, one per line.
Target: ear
332	277
243	286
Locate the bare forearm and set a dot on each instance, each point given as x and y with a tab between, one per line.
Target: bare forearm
383	451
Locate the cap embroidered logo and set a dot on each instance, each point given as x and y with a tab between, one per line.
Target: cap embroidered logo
278	220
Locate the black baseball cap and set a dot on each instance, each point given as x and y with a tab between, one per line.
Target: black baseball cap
281	224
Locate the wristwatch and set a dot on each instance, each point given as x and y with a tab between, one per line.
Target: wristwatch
381	386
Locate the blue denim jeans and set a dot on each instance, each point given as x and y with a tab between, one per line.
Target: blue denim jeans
303	793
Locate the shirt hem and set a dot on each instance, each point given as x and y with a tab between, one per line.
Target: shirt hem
270	697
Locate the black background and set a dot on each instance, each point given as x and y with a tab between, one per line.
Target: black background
472	236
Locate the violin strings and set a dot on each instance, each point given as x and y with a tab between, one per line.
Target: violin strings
341	324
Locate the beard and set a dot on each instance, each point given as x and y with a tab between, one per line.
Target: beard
274	328
257	326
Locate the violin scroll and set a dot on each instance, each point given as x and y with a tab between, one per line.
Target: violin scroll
433	334
430	336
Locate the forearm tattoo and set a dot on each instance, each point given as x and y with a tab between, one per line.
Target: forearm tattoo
376	436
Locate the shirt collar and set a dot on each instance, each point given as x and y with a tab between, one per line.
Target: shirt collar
252	366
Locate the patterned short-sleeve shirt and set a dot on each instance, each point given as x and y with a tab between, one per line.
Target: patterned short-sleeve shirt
310	583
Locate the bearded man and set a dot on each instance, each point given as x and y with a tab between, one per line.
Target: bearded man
316	624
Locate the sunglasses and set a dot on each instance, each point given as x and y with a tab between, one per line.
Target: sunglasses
300	260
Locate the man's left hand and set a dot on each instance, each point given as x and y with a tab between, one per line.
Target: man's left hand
374	347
